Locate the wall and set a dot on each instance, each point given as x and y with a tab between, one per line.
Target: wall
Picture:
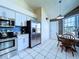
18	5
44	26
41	16
37	11
53	29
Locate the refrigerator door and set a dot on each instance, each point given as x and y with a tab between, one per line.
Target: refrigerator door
38	29
35	34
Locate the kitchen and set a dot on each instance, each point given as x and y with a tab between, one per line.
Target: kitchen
16	33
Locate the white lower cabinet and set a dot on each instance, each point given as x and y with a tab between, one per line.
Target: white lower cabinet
22	41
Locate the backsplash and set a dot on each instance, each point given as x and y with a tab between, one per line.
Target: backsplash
13	29
16	29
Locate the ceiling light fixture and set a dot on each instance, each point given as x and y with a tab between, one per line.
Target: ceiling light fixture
60	16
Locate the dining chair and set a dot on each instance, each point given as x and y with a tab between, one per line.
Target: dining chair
58	38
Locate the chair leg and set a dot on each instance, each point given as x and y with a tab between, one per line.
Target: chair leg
62	48
75	48
72	53
58	44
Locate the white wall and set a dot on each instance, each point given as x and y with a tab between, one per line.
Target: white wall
44	26
18	5
41	16
53	29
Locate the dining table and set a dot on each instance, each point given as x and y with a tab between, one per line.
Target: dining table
68	44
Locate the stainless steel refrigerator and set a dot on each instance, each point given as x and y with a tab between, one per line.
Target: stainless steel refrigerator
34	30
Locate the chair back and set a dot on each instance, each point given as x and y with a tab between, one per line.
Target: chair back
68	36
58	36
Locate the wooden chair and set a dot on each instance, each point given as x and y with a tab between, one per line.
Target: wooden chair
58	39
68	36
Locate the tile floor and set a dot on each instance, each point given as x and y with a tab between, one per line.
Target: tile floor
46	50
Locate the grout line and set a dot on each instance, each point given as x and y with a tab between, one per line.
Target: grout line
38	52
45	50
56	53
48	52
41	50
19	56
30	55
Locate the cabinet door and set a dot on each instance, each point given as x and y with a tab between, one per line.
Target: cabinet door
1	11
10	13
23	20
18	19
26	41
20	43
28	18
7	13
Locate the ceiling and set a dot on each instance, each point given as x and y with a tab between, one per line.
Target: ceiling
51	6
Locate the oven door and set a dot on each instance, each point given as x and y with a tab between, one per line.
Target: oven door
7	45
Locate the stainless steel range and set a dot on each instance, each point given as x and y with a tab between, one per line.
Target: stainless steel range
7	45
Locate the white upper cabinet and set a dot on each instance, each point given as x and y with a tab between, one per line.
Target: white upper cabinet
28	18
23	20
6	13
18	21
2	11
10	13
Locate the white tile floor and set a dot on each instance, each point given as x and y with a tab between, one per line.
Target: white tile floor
46	50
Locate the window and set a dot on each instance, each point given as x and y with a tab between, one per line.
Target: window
69	25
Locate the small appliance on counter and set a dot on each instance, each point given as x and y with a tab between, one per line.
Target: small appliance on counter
23	29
